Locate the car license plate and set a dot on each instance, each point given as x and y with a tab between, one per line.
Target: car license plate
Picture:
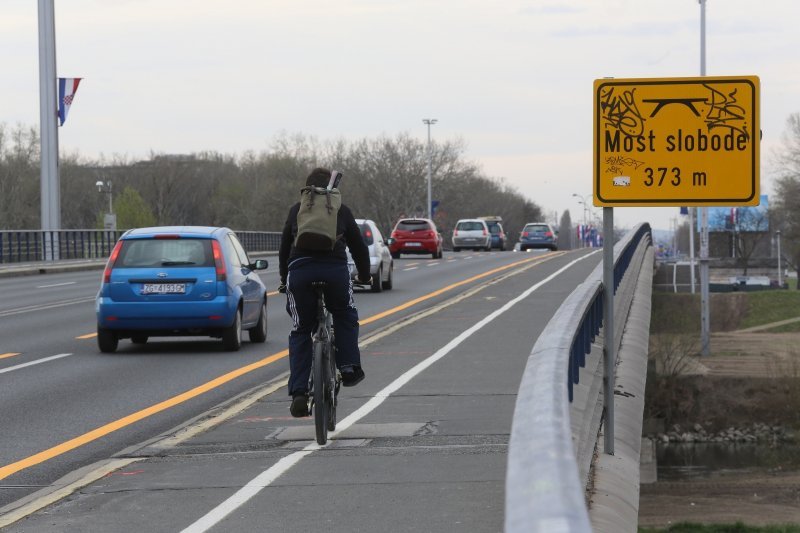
413	244
164	288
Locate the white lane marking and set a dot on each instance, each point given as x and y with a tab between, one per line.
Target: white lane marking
42	307
432	264
451	260
57	285
407	269
265	478
37	362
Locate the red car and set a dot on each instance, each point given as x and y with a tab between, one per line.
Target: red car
415	236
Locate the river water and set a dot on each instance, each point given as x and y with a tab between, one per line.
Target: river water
682	461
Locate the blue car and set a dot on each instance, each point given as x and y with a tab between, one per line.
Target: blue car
180	281
538	235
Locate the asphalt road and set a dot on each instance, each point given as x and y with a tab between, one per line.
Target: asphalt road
66	405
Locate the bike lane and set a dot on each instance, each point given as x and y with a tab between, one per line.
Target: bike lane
429	454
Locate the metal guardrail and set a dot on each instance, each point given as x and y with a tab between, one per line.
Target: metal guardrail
544	490
18	246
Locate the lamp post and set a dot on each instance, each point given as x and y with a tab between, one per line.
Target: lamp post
582	201
110	221
429	122
780	275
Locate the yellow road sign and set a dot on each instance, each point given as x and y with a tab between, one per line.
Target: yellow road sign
676	141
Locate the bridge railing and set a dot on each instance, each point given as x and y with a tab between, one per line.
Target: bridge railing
545	481
25	246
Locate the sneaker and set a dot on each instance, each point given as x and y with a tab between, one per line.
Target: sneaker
352	375
299	407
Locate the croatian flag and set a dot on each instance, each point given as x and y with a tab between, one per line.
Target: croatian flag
67	87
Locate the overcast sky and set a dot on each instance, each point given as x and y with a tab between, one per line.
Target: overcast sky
513	79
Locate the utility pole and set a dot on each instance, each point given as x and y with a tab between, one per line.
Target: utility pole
50	194
780	275
705	326
429	122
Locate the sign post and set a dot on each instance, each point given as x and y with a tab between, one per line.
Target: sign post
670	142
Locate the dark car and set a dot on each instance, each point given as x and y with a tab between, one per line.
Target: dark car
497	232
538	235
416	236
184	281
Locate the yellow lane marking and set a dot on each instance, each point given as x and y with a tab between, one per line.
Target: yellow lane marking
273	293
102	431
7	355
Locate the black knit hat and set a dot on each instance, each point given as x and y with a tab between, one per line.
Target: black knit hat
319	177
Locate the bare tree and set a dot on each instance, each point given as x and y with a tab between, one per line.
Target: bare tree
385	178
786	205
19	178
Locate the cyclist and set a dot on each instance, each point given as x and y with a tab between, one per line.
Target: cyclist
299	268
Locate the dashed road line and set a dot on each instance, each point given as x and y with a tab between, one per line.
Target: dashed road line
42	307
36	362
56	285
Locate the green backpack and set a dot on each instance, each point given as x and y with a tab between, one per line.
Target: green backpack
316	219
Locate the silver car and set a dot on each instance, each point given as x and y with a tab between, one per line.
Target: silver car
381	264
471	233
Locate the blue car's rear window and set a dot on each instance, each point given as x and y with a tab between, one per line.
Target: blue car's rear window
165	253
537	229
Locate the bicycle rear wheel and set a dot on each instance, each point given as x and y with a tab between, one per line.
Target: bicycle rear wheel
320	396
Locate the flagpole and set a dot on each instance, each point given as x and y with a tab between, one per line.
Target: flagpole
50	193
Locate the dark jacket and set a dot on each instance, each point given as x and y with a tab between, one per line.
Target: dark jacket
347	234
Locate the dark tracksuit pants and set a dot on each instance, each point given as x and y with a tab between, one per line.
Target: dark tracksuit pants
301	304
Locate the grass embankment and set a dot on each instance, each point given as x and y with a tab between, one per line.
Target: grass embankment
680	313
767	307
676	396
687	527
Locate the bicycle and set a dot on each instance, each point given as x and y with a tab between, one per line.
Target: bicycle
325	379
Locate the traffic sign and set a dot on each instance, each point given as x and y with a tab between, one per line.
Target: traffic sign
676	141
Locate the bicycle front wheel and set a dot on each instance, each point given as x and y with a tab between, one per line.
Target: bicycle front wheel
331	385
320	396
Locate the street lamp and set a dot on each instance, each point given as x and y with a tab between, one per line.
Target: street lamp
582	201
110	220
429	122
780	275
